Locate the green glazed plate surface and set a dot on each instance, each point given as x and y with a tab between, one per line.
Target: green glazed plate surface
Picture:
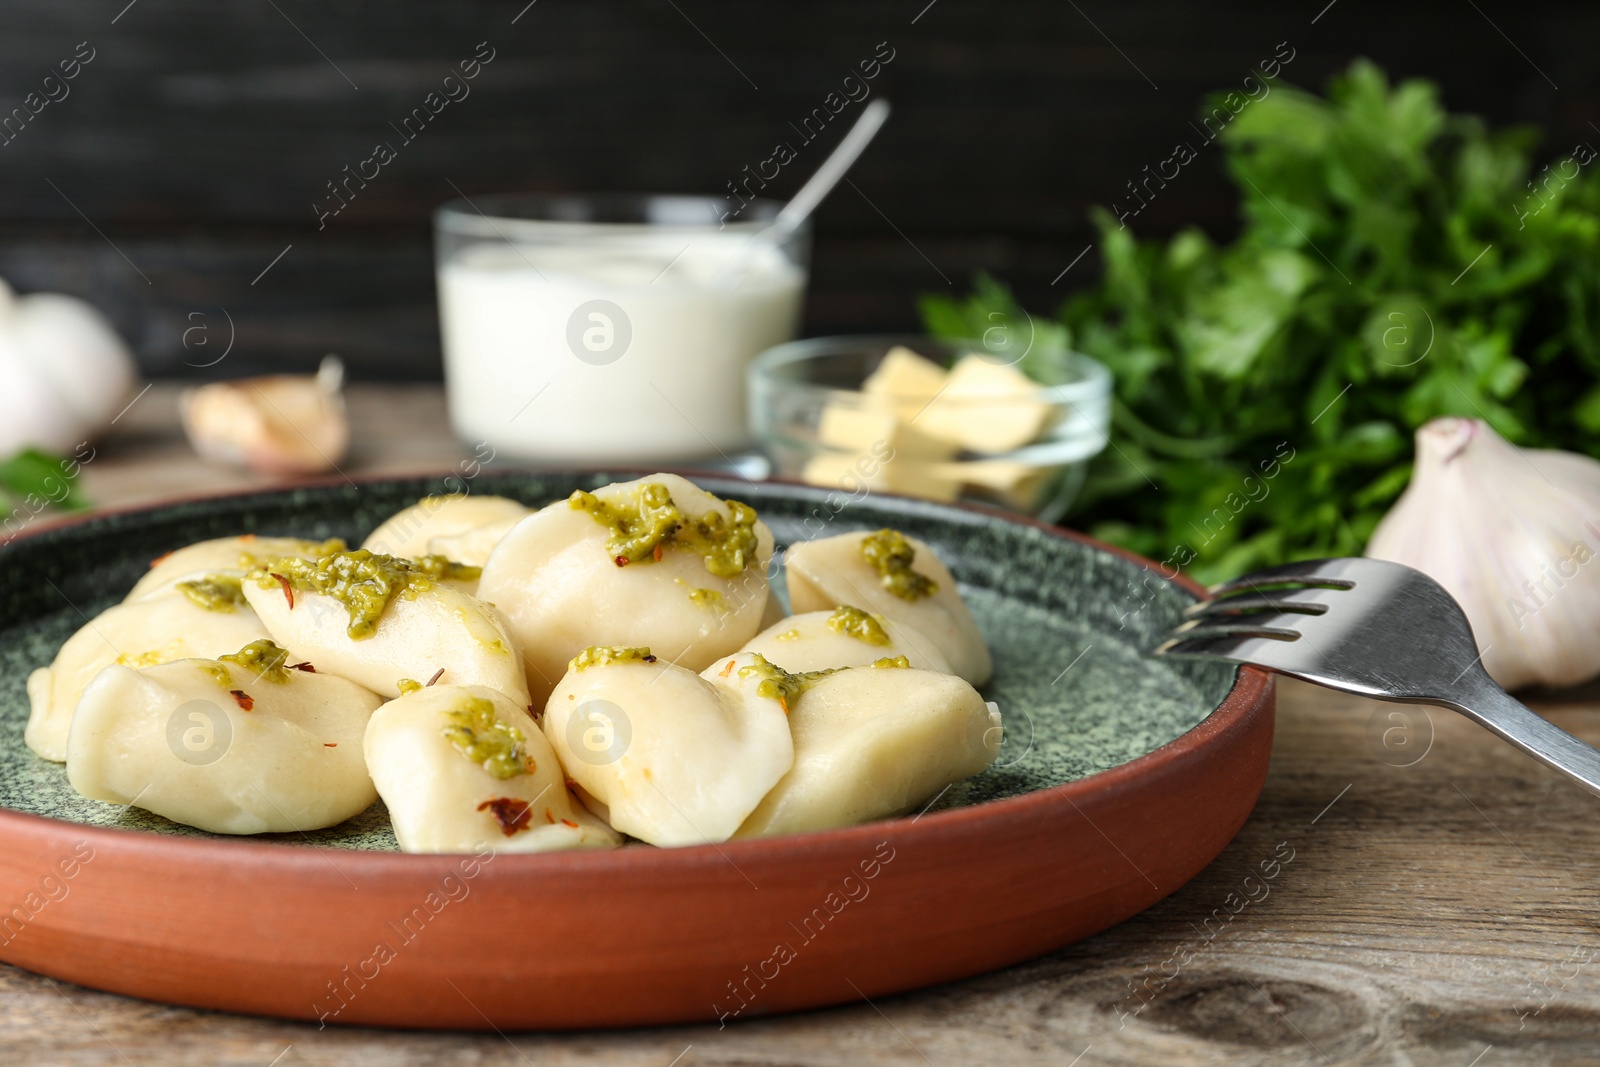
1068	623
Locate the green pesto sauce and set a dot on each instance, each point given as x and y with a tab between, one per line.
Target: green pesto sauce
777	683
215	592
262	658
364	582
441	569
853	622
218	671
604	655
409	685
709	599
784	687
651	521
493	644
472	727
314	550
891	555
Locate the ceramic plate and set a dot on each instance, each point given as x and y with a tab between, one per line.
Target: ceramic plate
1119	779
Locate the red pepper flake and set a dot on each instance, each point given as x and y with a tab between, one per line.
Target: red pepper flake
288	590
551	819
621	561
728	669
161	559
308	668
512	814
243	699
569	822
660	550
436	676
247	537
330	744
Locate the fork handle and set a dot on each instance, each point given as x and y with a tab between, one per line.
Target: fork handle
1518	724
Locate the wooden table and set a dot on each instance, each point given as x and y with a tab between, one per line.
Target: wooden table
1438	908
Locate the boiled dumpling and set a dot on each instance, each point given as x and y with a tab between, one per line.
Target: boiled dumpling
461	527
895	576
662	753
247	745
657	562
228	555
461	766
141	634
474	546
844	637
376	619
218	589
871	743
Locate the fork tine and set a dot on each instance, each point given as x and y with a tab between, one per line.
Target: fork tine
1305	601
1233	647
1273	624
1325	572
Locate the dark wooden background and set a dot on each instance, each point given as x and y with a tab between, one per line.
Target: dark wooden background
193	146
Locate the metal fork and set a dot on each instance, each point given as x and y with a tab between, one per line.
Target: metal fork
1374	628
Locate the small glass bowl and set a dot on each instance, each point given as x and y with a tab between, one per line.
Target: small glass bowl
812	418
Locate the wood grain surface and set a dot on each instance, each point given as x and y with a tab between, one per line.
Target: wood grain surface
1409	891
189	152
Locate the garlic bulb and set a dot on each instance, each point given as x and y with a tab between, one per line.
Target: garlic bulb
1513	534
64	372
280	424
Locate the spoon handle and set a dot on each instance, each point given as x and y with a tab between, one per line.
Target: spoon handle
833	168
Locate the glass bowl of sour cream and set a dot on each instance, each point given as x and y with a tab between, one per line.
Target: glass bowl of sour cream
610	329
932	418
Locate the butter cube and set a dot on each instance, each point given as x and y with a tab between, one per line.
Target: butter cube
987	407
907	379
1011	481
840	470
878	430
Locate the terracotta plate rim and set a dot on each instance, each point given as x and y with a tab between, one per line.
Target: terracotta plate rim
1252	688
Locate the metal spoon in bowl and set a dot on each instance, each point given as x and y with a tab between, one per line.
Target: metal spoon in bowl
800	207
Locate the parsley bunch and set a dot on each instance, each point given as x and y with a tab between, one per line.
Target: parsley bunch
1396	263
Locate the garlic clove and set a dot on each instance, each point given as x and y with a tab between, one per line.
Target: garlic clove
279	424
64	372
32	413
77	350
1512	534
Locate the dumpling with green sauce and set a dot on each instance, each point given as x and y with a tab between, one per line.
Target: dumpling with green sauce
873	742
244	744
376	619
844	637
657	562
895	576
152	631
662	753
460	527
461	766
224	555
